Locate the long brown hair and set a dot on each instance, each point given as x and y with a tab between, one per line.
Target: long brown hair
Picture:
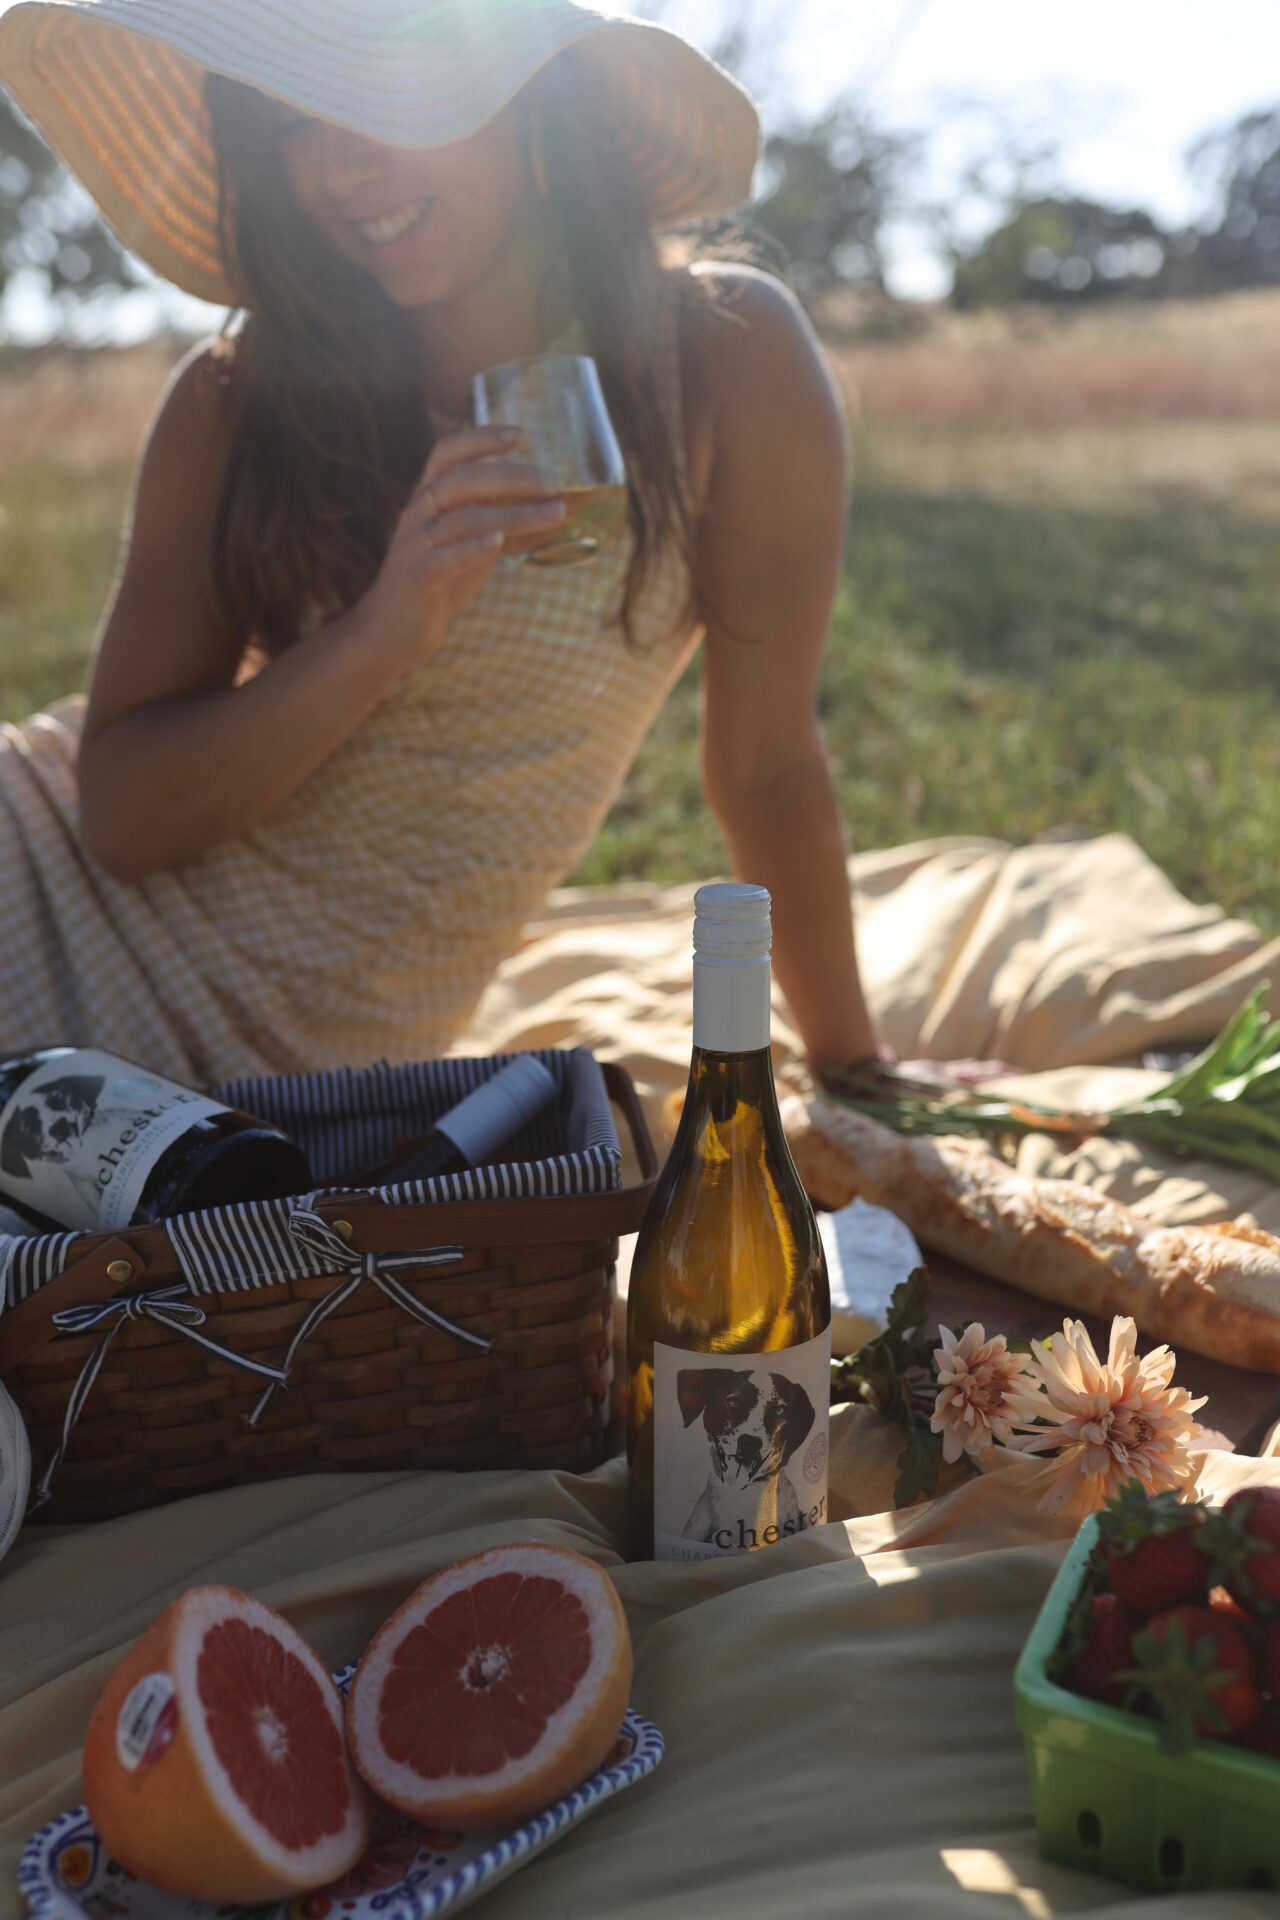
331	427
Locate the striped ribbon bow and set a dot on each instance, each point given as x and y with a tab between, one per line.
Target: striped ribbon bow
170	1307
314	1232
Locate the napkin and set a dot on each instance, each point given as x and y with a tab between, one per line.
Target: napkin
869	1252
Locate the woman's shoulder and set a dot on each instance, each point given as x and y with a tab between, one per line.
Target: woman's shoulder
189	438
750	360
740	321
196	404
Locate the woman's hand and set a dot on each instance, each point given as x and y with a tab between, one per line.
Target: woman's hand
473	503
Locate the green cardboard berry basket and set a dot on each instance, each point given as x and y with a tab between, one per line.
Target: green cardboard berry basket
1109	1801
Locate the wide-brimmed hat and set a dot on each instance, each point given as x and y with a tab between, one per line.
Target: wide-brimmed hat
116	87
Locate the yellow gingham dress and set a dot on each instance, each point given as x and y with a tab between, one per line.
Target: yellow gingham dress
364	919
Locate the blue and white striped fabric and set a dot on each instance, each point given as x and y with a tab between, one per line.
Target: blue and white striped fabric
352	1118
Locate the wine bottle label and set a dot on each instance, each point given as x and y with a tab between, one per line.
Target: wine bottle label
81	1135
739	1448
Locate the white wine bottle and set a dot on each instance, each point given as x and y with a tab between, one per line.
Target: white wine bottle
729	1313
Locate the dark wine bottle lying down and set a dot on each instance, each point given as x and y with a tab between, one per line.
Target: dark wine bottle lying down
471	1132
93	1143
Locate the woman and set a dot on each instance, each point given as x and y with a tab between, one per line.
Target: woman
337	746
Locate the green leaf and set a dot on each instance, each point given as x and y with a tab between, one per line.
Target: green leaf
886	1371
1225	1104
918	1464
908	1304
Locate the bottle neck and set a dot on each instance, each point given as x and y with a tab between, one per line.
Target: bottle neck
730	1004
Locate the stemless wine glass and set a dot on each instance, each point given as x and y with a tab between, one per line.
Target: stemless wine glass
556	401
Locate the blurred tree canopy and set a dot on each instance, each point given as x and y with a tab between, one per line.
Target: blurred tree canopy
830	190
48	225
1063	248
1060	249
1243	164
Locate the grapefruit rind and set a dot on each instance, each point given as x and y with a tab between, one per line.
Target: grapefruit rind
577	1736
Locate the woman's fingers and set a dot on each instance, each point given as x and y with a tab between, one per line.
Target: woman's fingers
479	481
468	443
464	559
508	522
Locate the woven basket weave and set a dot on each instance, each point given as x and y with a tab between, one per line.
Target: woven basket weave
371	1386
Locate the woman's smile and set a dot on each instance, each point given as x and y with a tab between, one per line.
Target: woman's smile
386	228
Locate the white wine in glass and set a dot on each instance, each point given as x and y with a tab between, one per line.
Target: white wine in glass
557	402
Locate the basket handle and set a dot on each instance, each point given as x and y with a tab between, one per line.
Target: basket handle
622	1091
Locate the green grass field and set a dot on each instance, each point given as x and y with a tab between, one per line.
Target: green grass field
1011	669
1043	626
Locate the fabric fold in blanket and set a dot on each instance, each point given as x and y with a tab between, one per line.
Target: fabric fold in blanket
1065	952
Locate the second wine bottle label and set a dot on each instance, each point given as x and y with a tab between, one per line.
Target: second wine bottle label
80	1137
739	1448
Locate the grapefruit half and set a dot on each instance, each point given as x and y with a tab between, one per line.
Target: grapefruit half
215	1765
495	1689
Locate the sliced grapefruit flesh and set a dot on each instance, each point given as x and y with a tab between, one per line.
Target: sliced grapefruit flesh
494	1690
215	1764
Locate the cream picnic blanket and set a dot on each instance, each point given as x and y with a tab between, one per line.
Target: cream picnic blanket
1054	957
838	1709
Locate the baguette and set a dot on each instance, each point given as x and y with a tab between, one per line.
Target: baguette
1214	1290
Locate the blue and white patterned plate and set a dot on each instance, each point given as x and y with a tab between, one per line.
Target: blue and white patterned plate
408	1872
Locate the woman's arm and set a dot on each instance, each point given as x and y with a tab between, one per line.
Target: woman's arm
179	752
769	559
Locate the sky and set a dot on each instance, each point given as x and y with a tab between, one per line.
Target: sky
1121	87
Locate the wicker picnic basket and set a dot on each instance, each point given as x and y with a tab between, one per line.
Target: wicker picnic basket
463	1322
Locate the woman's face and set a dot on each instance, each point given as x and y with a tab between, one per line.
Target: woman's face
427	225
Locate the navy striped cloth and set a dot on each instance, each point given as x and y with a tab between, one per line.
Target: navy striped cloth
353	1117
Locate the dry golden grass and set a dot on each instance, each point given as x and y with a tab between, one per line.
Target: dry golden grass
86	412
1170	360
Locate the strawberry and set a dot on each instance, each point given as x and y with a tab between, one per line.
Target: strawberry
1269	1659
1195	1668
1105	1649
1246	1544
1262	1737
1154	1559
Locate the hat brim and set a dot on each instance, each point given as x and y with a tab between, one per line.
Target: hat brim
117	89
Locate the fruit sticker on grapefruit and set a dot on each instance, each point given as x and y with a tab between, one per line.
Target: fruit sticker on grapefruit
495	1689
215	1765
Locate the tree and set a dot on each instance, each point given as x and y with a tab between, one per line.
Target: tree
48	224
1063	248
830	190
1242	165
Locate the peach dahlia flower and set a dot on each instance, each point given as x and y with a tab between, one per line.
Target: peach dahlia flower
980	1395
1109	1421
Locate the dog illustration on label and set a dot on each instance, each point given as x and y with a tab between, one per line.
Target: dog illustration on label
755	1421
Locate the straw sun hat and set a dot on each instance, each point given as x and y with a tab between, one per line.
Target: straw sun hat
116	88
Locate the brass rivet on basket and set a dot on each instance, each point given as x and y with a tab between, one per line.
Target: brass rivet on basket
120	1270
345	1228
